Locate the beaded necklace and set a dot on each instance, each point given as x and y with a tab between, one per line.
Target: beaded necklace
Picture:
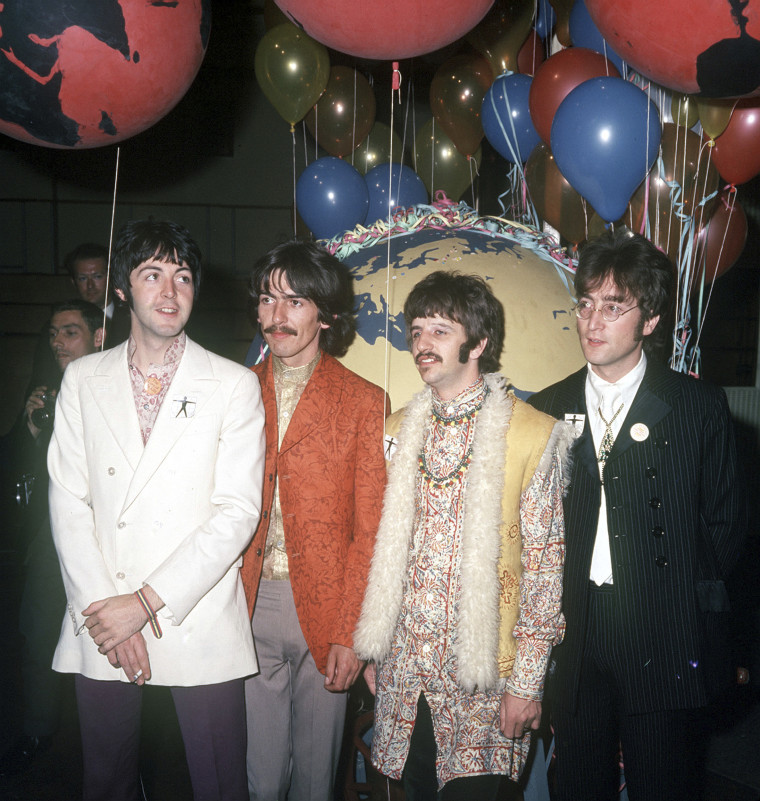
463	416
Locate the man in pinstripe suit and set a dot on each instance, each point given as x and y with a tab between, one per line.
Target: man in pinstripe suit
654	519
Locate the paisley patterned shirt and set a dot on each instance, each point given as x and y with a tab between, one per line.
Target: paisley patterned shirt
422	657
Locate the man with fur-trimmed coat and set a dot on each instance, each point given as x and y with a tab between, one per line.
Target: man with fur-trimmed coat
463	602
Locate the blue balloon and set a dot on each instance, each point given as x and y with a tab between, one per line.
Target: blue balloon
584	33
331	197
506	119
546	19
605	137
401	187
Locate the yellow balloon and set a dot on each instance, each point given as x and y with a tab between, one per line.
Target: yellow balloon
376	148
502	32
440	165
715	114
292	70
684	110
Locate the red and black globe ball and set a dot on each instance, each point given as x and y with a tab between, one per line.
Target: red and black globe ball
87	73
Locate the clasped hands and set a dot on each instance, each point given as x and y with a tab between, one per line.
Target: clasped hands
115	625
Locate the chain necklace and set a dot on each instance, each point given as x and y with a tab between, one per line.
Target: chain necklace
608	440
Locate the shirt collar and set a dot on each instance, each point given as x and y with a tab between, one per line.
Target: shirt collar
628	384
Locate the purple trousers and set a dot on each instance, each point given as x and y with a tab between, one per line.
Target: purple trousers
212	722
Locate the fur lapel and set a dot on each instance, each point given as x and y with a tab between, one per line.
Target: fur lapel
477	626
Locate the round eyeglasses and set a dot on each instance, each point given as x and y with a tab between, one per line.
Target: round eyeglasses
610	311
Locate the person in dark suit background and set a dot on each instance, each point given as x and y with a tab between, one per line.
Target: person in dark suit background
655	517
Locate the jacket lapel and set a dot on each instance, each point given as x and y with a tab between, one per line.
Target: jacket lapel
194	384
649	406
320	399
583	450
111	392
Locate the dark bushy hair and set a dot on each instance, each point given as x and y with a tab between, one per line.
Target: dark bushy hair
84	252
139	241
468	300
318	276
639	270
91	314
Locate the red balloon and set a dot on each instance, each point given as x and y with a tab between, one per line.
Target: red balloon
532	54
456	95
737	150
82	74
722	240
344	114
705	47
385	29
557	77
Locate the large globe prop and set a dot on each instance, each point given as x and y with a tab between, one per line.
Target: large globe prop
541	344
385	29
698	47
83	74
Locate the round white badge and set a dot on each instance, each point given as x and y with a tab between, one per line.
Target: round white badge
639	432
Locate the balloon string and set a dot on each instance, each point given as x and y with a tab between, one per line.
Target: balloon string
110	240
396	76
730	205
295	209
353	122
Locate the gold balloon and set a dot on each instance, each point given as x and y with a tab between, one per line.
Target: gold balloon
562	28
684	110
292	70
345	114
440	165
715	114
376	149
502	32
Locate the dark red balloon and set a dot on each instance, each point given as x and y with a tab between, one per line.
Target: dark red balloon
84	74
737	150
385	29
721	241
557	77
532	54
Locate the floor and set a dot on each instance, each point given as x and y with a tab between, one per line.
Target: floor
733	763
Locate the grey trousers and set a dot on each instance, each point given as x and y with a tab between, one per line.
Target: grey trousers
295	726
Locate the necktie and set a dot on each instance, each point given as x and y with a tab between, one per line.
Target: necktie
612	403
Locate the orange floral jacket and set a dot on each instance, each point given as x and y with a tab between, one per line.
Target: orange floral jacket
331	473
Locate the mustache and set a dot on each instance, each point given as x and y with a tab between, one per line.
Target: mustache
428	354
280	329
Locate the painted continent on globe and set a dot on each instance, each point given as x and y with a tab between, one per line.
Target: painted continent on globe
87	73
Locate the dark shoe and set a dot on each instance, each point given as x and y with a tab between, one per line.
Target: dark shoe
21	754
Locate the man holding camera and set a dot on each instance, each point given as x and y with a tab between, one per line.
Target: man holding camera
75	329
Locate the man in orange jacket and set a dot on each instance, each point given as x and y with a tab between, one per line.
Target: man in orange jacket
306	568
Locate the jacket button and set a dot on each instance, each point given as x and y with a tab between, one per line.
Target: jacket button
655	503
661	561
651	472
258	552
122	524
120	576
657	531
111	471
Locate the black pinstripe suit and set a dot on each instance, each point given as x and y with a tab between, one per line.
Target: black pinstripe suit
675	514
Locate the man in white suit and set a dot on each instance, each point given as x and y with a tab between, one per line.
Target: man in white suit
156	467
